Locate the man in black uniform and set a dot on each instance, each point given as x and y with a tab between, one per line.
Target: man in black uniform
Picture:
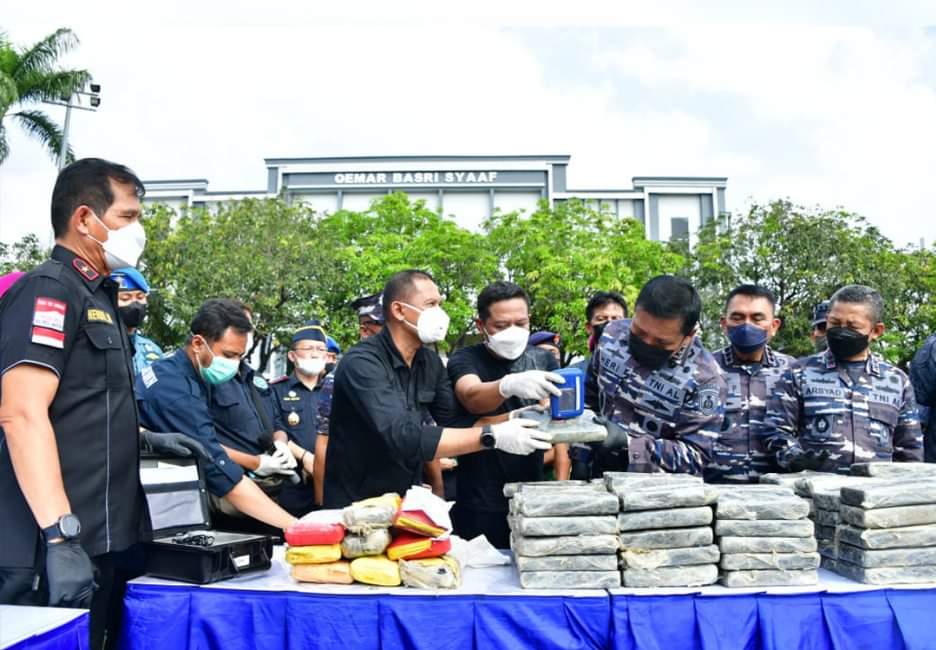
296	401
491	379
70	494
386	386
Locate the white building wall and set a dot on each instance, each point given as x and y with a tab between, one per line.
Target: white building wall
431	198
675	206
468	208
360	201
626	208
326	202
516	201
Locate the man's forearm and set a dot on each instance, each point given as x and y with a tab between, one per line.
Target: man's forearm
456	442
250	499
481	397
318	469
34	454
245	460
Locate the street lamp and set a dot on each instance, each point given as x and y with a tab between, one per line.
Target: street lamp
94	100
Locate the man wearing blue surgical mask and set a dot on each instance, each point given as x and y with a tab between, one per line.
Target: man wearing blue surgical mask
751	370
173	395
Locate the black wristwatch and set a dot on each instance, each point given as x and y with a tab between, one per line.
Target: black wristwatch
487	437
67	527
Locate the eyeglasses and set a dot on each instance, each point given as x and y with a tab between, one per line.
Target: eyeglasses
318	350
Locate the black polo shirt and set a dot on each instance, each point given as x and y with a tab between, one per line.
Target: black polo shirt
377	439
63	316
482	475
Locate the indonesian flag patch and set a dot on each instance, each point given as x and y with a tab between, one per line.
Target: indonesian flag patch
49	322
45	336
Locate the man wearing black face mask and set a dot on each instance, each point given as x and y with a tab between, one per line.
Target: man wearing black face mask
661	392
751	370
131	304
844	405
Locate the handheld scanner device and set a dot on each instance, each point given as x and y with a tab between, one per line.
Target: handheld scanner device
571	403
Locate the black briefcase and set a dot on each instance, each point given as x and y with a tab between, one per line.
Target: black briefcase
184	546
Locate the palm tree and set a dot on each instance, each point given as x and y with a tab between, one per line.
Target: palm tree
29	76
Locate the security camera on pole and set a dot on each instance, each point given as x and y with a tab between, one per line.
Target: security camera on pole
74	101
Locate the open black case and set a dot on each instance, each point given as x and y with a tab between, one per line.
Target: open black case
184	546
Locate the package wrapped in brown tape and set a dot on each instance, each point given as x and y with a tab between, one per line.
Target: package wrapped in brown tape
432	573
333	573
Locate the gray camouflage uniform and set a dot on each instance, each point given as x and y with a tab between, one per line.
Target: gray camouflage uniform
672	415
739	455
817	406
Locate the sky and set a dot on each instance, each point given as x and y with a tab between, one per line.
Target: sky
830	105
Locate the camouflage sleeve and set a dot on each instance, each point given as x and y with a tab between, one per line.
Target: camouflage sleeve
698	425
908	438
781	419
324	403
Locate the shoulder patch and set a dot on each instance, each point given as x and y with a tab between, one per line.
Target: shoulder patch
260	382
148	375
99	316
279	379
49	313
708	400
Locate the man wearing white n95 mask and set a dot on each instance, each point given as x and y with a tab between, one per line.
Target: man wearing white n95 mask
384	388
493	380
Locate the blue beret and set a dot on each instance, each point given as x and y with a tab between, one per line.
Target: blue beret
129	279
544	337
311	331
333	345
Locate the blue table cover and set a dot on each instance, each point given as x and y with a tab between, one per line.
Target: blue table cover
180	617
71	635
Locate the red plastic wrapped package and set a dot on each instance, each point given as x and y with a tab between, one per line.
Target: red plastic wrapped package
314	533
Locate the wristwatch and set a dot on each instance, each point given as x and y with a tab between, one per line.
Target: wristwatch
487	437
67	527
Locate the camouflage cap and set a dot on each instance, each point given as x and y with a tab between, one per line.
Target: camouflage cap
820	313
370	307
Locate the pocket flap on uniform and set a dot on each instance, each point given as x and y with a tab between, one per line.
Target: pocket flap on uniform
104	337
426	396
883	413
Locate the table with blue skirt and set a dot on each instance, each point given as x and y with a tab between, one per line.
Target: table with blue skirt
271	611
43	628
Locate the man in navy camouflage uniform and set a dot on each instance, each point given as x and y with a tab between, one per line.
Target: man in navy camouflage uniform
661	392
845	405
751	370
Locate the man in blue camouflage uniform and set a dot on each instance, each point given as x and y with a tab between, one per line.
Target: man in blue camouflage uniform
132	296
660	390
751	370
845	405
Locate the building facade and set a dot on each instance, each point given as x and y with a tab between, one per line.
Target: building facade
469	188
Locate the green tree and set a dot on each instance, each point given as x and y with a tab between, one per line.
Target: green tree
22	255
31	75
264	252
803	256
562	256
396	233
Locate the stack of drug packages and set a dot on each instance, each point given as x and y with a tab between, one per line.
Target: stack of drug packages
823	491
564	534
765	537
887	532
356	545
665	529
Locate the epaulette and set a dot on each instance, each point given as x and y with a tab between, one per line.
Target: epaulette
279	380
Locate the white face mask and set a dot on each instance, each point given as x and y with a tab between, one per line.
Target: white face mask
509	343
311	367
432	325
123	246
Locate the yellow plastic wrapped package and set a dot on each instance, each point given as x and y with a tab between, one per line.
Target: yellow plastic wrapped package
432	573
313	554
378	512
377	570
333	573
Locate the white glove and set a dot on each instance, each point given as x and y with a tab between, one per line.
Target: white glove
275	463
520	437
532	384
282	451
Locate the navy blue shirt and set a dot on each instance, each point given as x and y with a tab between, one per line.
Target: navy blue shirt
234	411
297	413
173	398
